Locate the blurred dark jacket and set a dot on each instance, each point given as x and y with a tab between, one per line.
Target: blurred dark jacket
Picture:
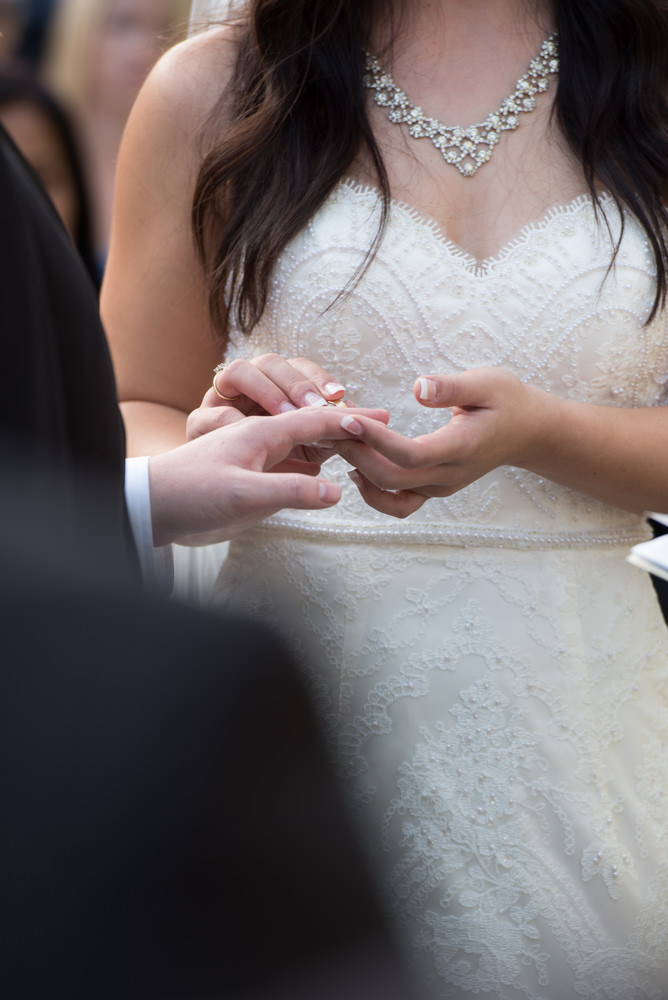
170	823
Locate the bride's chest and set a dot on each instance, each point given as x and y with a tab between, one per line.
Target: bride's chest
547	305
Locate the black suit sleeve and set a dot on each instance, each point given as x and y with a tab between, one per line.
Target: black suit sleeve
58	406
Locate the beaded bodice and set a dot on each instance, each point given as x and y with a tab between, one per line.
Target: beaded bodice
546	306
499	716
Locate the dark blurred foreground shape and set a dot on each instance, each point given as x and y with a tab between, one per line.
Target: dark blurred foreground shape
170	826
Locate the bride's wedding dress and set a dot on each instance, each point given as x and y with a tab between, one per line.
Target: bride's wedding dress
493	673
202	10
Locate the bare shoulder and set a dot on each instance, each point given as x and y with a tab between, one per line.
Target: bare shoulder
193	74
186	83
153	298
162	143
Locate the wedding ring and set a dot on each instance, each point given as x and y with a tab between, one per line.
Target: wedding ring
216	372
337	402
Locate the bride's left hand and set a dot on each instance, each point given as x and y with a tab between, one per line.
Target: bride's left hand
267	384
496	420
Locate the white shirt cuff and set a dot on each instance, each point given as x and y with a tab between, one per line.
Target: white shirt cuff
157	563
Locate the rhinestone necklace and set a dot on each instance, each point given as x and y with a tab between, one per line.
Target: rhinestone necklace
465	147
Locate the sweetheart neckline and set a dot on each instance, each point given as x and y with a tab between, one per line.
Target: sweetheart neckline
480	266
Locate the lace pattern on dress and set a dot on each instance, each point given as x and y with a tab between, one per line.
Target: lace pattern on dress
492	674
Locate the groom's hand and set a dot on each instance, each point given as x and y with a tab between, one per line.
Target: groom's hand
229	479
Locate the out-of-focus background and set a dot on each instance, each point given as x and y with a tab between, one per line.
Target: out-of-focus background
69	73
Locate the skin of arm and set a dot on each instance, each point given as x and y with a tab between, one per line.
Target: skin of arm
616	455
153	300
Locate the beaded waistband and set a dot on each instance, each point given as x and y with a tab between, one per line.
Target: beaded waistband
461	537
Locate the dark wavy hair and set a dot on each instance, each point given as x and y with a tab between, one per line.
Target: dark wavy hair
294	119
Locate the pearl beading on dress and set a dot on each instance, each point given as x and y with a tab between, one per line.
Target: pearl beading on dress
421	534
427	302
466	148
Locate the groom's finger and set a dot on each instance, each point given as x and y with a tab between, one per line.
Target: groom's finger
267	494
280	434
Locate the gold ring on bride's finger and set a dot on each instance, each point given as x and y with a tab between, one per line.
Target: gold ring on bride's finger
216	372
337	402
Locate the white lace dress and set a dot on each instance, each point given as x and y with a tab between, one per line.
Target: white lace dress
494	675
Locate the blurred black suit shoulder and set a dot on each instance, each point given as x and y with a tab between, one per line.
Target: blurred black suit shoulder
171	826
58	406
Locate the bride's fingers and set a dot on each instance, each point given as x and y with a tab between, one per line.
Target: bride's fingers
303	382
240	402
410	469
329	388
381	471
439	448
247	384
470	389
276	384
209	418
376	469
401	503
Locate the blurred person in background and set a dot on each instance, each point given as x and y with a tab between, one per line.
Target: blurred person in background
12	21
97	55
36	22
42	130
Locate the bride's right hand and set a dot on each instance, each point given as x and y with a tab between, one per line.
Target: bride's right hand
268	384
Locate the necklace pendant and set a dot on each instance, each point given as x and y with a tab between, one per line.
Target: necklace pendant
466	148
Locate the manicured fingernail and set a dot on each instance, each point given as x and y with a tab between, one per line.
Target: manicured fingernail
355	476
329	492
334	389
285	407
427	388
313	399
351	425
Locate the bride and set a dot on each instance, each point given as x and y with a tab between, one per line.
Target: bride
303	189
